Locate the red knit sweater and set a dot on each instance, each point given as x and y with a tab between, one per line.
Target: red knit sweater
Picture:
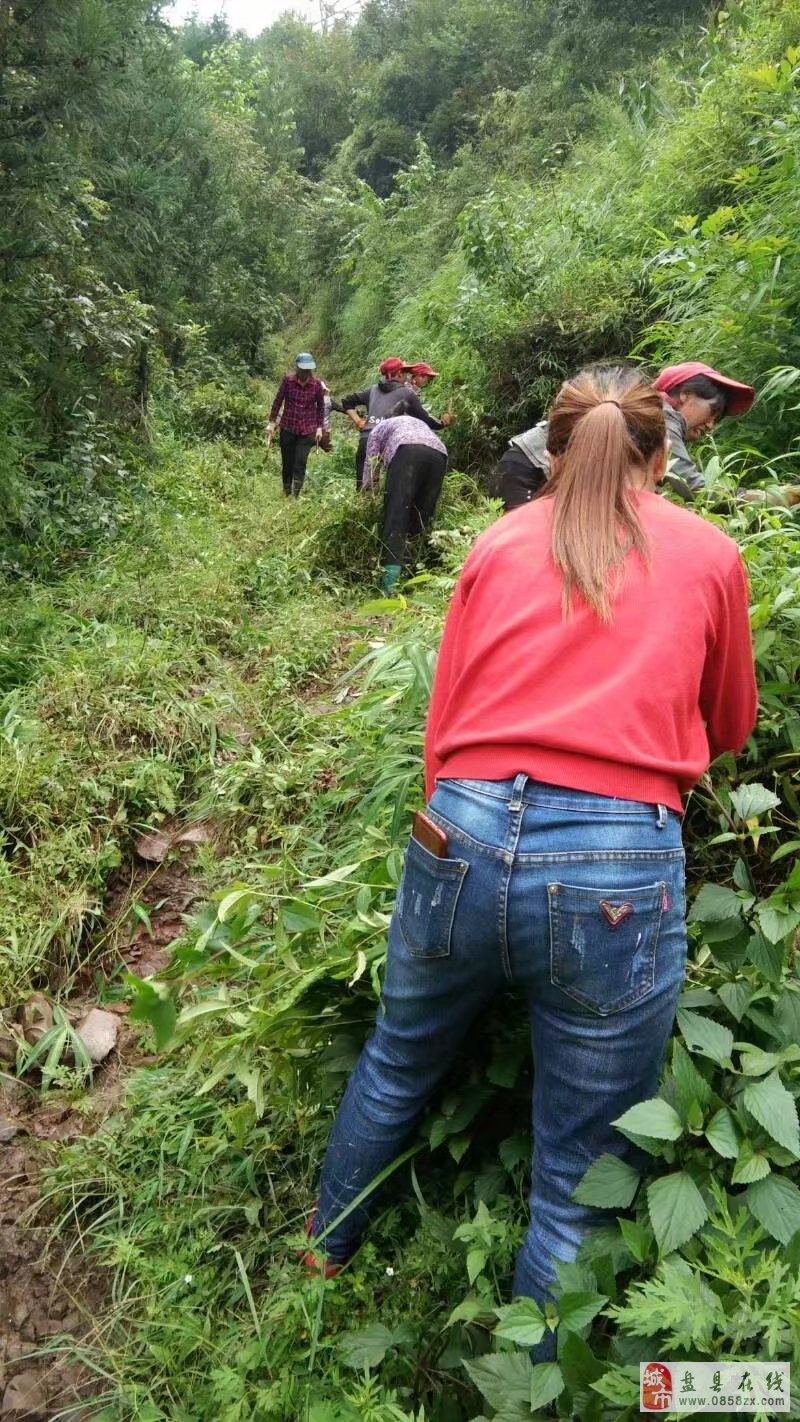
634	709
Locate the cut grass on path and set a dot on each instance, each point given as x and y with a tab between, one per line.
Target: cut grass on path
132	682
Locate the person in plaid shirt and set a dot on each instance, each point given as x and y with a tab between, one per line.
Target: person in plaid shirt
302	422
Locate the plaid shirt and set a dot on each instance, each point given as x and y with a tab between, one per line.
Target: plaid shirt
303	405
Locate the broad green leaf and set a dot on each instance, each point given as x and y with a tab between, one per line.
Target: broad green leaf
620	1386
697	997
787	1016
750	801
366	1348
776	919
694	1118
502	1378
575	1276
775	1202
609	1183
723	939
206	1007
476	1259
576	1311
704	1035
754	1061
691	1087
521	1322
774	1108
153	1004
227	904
677	1210
458	1147
654	1118
469	1309
750	1166
638	1238
578	1362
298	917
792	846
766	956
714	903
546	1384
736	997
515	1150
722	1135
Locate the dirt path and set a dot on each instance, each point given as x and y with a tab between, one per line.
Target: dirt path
48	1290
44	1292
50	1296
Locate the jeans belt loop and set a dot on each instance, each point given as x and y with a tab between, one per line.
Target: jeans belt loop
661	822
515	803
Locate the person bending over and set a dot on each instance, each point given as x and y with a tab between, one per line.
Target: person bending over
694	397
415	461
379	401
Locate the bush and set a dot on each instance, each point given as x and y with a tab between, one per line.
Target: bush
217	411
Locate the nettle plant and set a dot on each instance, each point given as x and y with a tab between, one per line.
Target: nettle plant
697	1252
697	1249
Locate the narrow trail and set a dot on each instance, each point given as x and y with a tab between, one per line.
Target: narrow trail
52	1300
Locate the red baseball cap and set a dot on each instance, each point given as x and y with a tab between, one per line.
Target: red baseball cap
421	367
740	396
392	366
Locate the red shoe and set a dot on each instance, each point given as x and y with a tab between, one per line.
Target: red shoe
309	1259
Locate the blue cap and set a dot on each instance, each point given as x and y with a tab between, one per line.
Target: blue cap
305	361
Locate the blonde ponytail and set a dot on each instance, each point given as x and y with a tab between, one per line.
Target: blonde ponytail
603	428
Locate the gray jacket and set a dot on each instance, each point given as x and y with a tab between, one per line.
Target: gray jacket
380	400
683	475
533	444
682	468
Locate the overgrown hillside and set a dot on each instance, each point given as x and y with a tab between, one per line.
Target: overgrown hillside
670	233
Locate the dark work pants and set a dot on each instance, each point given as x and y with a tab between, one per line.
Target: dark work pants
413	485
295	450
361	458
515	480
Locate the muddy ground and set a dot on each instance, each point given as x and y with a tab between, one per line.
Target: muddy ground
51	1296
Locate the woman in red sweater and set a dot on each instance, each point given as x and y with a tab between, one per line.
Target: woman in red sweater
596	657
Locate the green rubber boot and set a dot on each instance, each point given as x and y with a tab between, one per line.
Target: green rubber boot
391	574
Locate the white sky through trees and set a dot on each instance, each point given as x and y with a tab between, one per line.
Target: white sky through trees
250	15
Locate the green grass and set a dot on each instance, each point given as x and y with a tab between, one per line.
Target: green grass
191	1200
126	685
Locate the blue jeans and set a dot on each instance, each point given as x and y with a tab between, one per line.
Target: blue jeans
576	899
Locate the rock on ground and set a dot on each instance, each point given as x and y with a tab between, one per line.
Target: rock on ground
98	1032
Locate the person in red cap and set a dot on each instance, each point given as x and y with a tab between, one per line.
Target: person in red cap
418	376
695	397
379	401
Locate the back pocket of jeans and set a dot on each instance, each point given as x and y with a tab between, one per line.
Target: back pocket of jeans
603	943
426	903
